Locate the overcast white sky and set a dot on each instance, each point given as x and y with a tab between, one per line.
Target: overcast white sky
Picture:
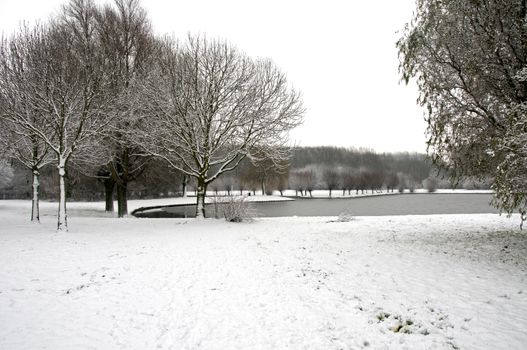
339	53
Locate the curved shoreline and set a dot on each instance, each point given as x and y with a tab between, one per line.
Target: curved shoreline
162	206
376	204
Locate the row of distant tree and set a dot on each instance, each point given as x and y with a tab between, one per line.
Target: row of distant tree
310	168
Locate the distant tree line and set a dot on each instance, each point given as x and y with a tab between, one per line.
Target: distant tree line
414	164
347	170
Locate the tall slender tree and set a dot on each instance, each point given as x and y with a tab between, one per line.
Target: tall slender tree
64	88
18	113
129	48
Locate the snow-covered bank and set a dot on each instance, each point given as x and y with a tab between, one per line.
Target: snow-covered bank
97	208
408	282
147	204
138	203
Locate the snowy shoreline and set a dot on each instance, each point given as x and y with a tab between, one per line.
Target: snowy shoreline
96	208
397	282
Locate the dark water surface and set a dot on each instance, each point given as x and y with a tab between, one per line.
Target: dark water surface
398	204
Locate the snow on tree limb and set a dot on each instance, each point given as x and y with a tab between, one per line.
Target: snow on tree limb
469	59
210	106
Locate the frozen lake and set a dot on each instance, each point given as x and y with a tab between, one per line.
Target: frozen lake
397	204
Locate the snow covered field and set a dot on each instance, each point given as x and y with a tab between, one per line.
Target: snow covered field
402	282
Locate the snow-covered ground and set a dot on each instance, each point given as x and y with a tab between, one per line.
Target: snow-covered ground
405	282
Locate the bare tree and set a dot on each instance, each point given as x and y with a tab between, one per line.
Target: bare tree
331	176
375	180
211	106
402	180
248	177
280	181
305	180
362	181
263	171
228	184
129	47
297	182
349	180
311	181
18	113
391	180
249	181
267	168
62	88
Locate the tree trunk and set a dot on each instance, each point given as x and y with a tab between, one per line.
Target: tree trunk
330	193
184	185
35	215
120	172
263	188
200	194
62	222
109	185
122	200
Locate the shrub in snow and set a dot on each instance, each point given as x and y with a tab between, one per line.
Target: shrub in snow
234	209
